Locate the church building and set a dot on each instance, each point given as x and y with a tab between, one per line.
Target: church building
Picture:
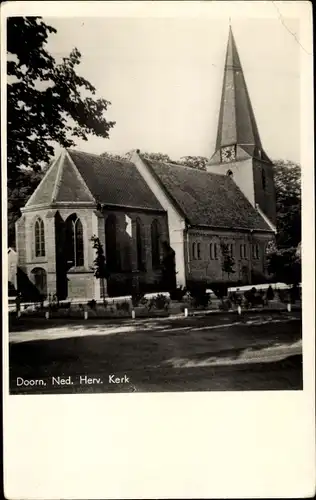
142	210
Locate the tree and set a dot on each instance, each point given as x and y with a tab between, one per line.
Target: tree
287	178
285	265
45	100
228	261
18	195
198	162
101	271
162	157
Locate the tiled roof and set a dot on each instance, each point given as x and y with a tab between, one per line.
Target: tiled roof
44	191
114	182
207	199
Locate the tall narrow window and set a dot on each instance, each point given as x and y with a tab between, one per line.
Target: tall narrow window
74	241
263	175
139	245
155	243
39	238
198	248
194	250
211	251
243	251
255	251
112	253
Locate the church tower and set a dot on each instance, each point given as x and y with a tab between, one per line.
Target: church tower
238	150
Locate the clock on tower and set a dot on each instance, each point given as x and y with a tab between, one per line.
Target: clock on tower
228	153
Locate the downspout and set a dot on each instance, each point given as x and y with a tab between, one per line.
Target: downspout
188	250
251	254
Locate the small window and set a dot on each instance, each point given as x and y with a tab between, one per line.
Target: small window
198	246
213	251
194	251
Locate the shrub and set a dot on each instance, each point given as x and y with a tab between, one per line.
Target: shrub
160	302
283	296
92	304
138	298
53	307
270	293
198	294
64	305
178	293
122	306
225	305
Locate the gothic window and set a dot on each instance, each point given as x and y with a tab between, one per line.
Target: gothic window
74	241
39	238
231	249
263	176
139	245
155	243
112	254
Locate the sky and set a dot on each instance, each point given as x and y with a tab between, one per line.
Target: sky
163	77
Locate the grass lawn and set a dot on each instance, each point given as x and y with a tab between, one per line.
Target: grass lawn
143	351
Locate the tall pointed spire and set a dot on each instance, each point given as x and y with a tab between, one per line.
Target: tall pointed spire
237	124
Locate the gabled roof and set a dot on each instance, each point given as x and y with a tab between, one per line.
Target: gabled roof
207	199
82	177
114	182
237	123
62	182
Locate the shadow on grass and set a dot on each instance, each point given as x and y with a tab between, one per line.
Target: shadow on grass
141	355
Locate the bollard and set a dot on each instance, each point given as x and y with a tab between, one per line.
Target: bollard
239	310
19	314
133	314
186	312
47	314
85	314
289	307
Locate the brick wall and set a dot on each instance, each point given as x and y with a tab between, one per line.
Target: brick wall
208	267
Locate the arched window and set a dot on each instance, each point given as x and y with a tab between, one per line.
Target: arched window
39	238
139	245
155	243
112	254
74	241
263	176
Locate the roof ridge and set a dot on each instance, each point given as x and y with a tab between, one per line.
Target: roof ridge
187	167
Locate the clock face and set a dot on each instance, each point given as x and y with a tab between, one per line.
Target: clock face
228	153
